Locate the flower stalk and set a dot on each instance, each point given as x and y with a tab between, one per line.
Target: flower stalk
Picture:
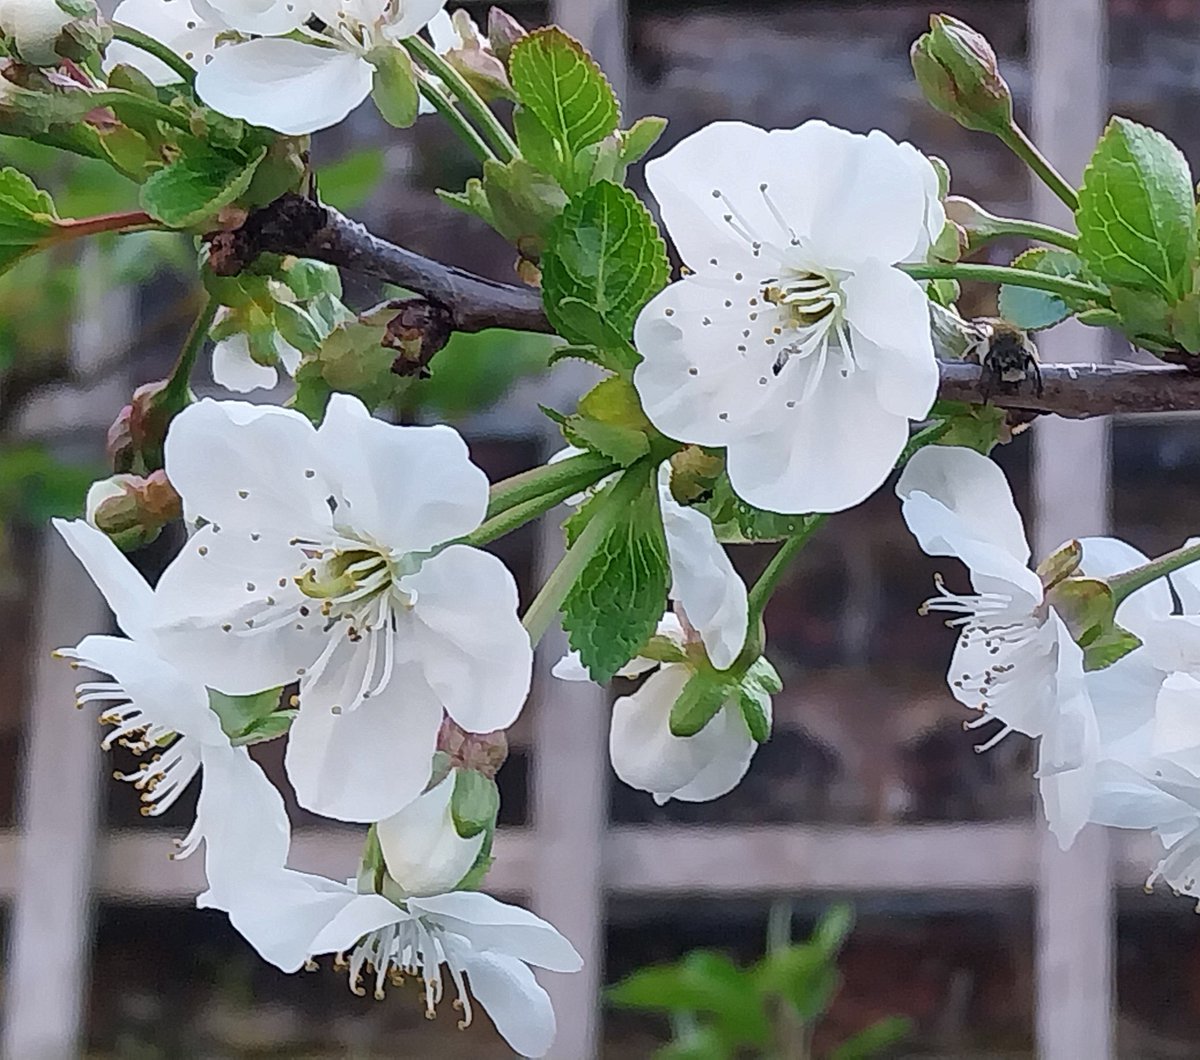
1065	288
579	471
174	395
446	108
1129	582
150	46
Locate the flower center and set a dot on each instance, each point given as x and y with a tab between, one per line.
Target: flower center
410	948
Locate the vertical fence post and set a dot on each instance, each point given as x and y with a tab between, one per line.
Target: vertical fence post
1071	474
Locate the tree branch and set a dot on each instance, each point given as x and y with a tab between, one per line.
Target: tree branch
1079	391
300	226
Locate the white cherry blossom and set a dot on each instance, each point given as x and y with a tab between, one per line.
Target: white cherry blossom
483	947
163	715
327	556
175	23
235	369
793	341
421	847
300	86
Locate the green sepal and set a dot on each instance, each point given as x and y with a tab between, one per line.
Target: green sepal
474	803
702	697
297	327
394	90
238	714
1088	608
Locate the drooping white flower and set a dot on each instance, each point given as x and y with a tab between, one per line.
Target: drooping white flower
300	86
158	711
327	556
793	342
483	946
645	753
421	847
234	368
1015	660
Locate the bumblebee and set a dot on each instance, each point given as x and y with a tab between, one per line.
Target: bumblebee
1006	354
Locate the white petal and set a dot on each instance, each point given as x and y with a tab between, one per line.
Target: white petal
408	487
570	668
124	589
210	604
1173	643
645	755
441	31
1187	583
1177	721
423	851
1106	556
494	925
241	815
517	1005
1126	799
973	489
835	451
266	17
289	356
725	771
171	22
281	913
251	467
1124	697
156	688
360	916
704	582
888	315
285	85
234	368
465	634
413	16
368	763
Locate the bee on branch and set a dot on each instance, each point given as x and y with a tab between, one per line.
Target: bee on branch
1007	355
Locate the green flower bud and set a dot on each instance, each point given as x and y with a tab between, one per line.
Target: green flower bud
958	72
132	510
503	32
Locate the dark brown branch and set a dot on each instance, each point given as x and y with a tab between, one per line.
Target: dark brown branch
296	225
1078	391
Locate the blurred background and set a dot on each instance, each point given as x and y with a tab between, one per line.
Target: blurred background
968	921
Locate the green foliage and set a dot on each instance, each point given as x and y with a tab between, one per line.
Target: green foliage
721	1011
27	216
708	690
610	421
978	427
605	261
1136	216
395	92
615	603
191	190
36	486
737	522
1088	608
562	87
1030	309
474	803
348	182
240	715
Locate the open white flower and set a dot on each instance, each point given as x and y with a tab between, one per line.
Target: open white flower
1015	659
175	23
158	711
300	86
645	753
793	342
327	556
486	946
421	847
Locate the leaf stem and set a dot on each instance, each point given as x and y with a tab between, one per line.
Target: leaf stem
610	506
770	578
579	471
160	51
466	131
174	395
517	515
1025	149
1016	226
1059	285
470	100
70	228
1129	582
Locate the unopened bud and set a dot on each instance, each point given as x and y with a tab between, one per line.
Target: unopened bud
473	57
44	32
483	752
503	32
135	439
132	510
959	74
694	472
978	225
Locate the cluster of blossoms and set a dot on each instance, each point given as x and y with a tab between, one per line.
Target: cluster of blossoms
333	589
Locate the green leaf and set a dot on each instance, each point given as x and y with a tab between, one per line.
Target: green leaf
27	216
833	929
605	257
538	145
978	427
1136	215
639	138
297	327
1185	323
556	79
474	803
395	90
348	182
193	188
1030	309
610	421
803	975
737	522
874	1039
614	605
698	703
238	714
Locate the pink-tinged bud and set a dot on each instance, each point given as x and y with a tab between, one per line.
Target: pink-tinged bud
503	32
132	510
136	437
483	752
958	72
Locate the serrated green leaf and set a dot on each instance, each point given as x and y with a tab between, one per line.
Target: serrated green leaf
639	138
1030	309
193	188
1136	215
538	146
27	216
606	257
556	79
474	802
698	703
614	605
